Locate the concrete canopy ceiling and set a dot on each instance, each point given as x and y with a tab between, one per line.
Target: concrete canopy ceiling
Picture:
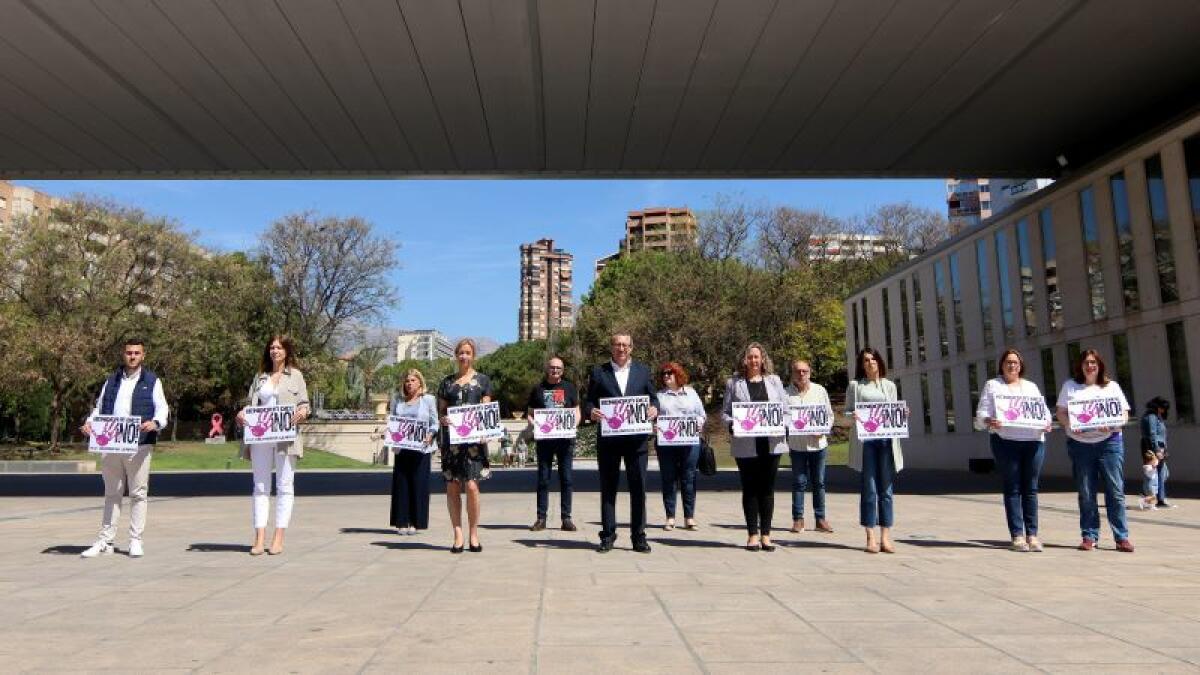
565	88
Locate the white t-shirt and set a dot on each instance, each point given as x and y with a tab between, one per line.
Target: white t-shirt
1072	388
987	408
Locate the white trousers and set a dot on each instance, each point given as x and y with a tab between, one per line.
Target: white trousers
119	471
264	457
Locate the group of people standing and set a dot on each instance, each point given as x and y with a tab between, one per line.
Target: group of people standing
1097	455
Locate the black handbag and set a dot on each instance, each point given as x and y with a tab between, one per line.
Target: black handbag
708	459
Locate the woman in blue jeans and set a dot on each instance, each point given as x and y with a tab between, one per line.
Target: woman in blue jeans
1097	455
677	463
1019	450
807	452
878	460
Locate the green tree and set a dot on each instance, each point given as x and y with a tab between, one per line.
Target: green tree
514	370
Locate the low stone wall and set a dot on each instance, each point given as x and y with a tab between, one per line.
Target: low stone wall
53	466
356	439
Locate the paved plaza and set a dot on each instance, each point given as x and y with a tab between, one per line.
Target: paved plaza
348	595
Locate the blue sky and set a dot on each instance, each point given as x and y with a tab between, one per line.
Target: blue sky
459	238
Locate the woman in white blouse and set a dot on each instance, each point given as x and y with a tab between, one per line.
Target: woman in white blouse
1097	455
410	472
807	452
877	460
677	463
1019	450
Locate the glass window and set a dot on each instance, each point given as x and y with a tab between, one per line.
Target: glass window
1181	377
948	396
1124	371
916	284
1124	226
1025	263
887	329
866	325
985	290
956	295
1050	268
1191	153
939	284
973	385
1049	383
854	320
1006	304
925	403
1160	221
904	322
989	367
1091	253
1073	352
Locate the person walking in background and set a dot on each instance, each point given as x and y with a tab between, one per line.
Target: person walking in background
278	382
130	391
1097	455
1019	451
622	376
807	452
757	458
410	468
463	466
554	392
878	460
677	463
1154	440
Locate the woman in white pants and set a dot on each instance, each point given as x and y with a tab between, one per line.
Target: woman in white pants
279	382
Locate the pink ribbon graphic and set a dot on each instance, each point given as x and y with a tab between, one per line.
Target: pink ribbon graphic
218	428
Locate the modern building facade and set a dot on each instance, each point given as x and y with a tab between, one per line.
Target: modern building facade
423	345
847	246
546	291
970	201
1105	259
17	201
601	263
659	229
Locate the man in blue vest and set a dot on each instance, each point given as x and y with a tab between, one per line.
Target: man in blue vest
131	391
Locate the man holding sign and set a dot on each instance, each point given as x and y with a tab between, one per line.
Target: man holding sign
621	398
130	391
553	413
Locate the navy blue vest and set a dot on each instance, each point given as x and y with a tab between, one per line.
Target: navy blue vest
142	404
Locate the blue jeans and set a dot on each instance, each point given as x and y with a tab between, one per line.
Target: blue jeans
677	466
1095	465
1163	474
808	468
547	451
1020	464
878	476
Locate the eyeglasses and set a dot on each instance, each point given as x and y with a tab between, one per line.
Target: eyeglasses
668	373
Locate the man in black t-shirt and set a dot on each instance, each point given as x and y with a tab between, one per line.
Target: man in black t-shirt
554	392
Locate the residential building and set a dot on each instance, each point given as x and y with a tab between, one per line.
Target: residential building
659	229
17	201
970	201
848	246
1104	259
603	262
423	345
546	291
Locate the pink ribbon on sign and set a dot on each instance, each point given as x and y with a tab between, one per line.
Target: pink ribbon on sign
218	428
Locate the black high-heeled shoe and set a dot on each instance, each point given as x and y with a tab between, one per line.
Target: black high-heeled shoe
476	548
456	549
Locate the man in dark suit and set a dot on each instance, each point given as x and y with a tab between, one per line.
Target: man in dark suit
621	377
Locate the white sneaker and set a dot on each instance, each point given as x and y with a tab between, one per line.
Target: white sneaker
135	549
97	549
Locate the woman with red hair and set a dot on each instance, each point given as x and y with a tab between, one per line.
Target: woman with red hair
677	463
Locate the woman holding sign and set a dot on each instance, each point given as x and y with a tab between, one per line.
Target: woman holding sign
878	459
410	470
279	385
806	449
1092	408
759	439
1013	411
463	465
678	404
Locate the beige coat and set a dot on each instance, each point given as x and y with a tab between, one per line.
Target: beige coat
292	391
890	394
736	389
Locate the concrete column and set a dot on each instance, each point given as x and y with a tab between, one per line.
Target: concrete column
1183	227
972	325
1144	258
1072	265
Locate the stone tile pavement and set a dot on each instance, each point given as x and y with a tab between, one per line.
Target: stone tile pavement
348	595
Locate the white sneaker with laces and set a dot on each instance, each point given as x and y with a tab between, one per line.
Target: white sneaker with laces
135	549
97	549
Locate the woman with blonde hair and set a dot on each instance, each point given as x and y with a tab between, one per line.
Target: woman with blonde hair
278	382
410	468
757	458
463	466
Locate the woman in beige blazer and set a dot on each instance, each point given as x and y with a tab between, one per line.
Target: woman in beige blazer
878	461
278	382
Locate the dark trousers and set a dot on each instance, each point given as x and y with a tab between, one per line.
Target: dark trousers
677	469
878	478
609	455
808	470
758	490
410	489
547	451
1020	464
